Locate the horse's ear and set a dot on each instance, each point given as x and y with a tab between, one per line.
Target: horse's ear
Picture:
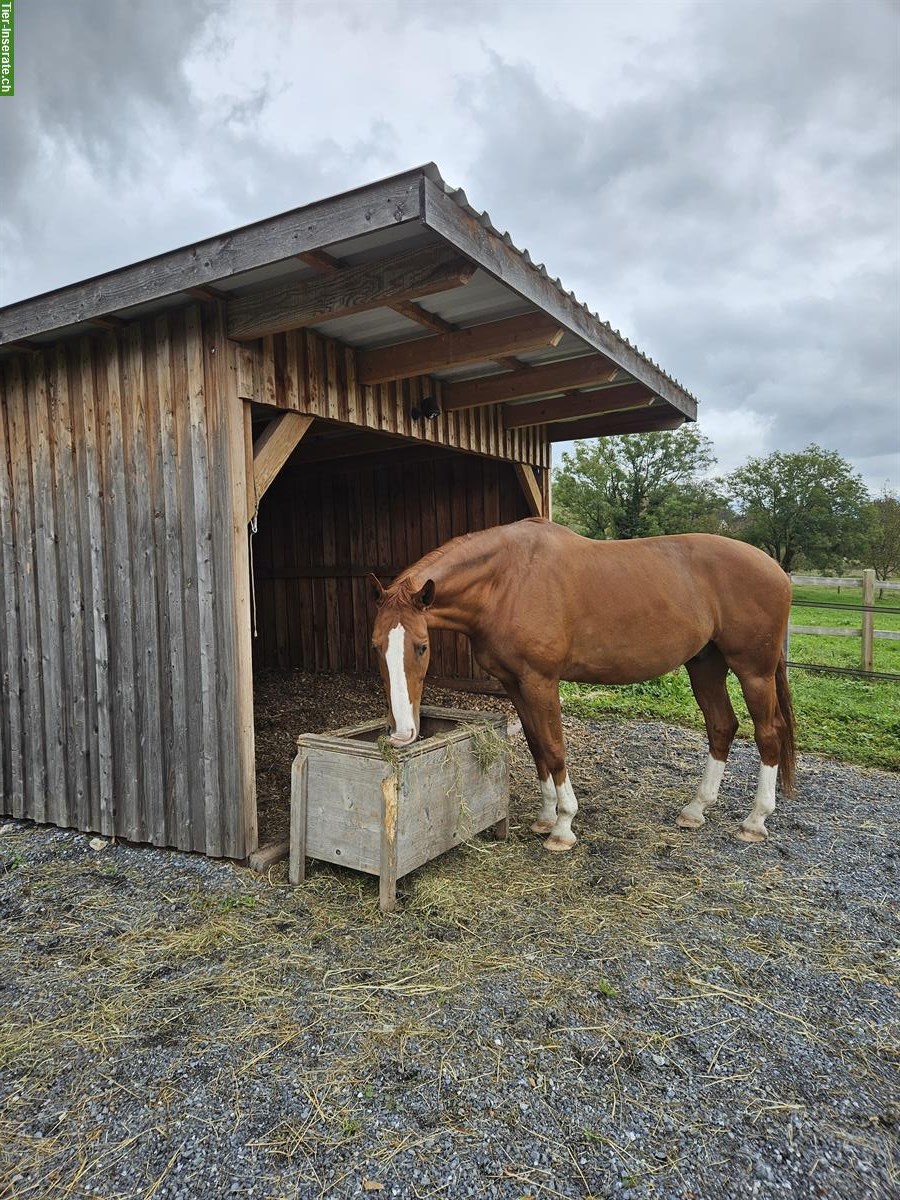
376	590
424	597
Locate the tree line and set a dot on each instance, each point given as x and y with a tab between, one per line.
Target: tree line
807	509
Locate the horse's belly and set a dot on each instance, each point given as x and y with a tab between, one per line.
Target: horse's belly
631	664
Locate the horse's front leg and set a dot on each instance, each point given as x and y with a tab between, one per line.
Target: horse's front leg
537	703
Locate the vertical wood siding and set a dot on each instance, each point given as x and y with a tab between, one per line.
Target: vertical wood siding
323	528
304	371
120	709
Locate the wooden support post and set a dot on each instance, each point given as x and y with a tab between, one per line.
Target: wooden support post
530	488
868	621
252	498
387	871
276	444
299	791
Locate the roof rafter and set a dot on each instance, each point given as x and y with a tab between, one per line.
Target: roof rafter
642	420
590	369
576	404
500	259
350	290
481	343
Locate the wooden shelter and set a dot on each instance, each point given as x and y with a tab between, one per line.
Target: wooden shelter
358	380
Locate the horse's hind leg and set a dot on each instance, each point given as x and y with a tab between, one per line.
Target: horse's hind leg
707	674
760	694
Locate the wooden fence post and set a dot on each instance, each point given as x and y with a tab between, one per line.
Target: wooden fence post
868	621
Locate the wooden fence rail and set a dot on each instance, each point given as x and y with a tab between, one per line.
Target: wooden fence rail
866	632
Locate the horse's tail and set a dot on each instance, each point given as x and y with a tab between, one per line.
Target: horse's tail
787	755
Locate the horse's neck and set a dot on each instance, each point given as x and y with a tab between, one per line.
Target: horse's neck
462	582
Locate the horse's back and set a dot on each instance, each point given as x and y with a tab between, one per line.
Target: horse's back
658	600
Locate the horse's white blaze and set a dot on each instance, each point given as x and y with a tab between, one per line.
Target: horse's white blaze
567	807
707	791
401	705
764	804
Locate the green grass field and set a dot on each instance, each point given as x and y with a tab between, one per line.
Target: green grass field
852	719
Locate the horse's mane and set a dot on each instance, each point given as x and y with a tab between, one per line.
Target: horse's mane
399	594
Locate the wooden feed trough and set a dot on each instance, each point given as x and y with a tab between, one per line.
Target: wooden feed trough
384	811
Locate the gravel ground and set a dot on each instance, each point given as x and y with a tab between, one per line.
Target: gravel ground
656	1015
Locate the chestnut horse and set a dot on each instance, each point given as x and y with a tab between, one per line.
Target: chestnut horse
539	604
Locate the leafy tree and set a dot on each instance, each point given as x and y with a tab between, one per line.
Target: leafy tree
810	504
637	485
883	550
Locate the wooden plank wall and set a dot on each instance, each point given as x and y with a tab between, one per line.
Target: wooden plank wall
118	649
323	528
304	371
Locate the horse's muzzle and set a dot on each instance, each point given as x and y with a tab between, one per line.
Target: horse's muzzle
400	742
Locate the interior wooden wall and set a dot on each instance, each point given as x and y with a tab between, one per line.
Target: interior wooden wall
323	528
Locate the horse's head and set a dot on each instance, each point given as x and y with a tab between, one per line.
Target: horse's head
400	636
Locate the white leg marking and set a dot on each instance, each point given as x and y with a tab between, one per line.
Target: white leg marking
546	818
561	835
753	827
401	706
691	816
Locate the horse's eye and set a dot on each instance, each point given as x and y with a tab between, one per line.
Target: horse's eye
421	648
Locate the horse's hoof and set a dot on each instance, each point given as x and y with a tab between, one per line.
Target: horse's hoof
750	835
558	846
542	826
686	820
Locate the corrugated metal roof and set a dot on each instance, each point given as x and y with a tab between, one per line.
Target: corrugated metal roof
458	196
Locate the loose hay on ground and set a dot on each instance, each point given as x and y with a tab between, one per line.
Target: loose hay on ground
656	1014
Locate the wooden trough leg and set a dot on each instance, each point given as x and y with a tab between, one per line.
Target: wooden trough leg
299	791
501	829
387	875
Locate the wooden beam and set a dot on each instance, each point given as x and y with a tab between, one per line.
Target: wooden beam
383	205
329	449
108	321
205	293
415	312
327	263
481	343
249	474
481	245
645	420
577	404
352	290
266	856
591	370
531	488
276	443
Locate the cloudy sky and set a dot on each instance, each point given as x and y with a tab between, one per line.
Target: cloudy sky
719	180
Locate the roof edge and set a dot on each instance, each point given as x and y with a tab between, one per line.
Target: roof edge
448	213
392	201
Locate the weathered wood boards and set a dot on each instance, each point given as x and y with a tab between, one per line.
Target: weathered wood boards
322	528
388	814
304	372
276	443
120	556
482	343
350	290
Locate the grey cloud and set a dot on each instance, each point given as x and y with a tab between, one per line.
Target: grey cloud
742	221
